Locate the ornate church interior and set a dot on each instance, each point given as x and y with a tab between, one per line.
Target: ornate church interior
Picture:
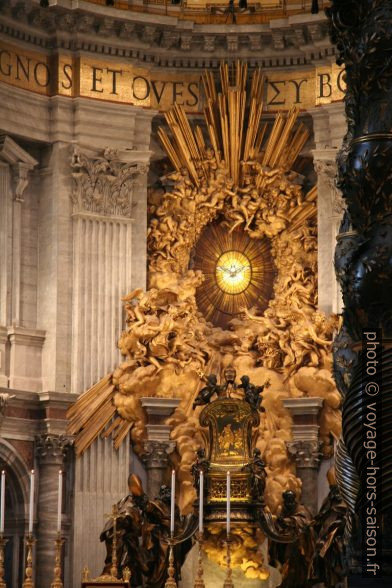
195	293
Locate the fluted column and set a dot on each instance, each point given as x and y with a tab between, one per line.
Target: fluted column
50	451
305	445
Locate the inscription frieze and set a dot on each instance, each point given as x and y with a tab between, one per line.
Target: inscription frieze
158	89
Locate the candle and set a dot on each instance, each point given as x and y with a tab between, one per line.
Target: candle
201	500
2	502
59	501
228	504
31	509
172	505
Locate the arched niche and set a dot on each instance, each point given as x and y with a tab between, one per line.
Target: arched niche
16	511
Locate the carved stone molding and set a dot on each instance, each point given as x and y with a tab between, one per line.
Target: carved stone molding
107	27
186	40
317	32
20	172
255	42
50	447
305	453
127	30
21	163
149	34
326	170
209	43
338	203
103	185
232	42
278	40
169	39
142	35
156	454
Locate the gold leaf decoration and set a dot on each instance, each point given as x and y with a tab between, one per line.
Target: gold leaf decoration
239	273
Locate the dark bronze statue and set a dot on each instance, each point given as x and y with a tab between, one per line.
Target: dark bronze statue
258	476
208	391
328	565
200	464
156	528
143	528
130	552
293	558
252	393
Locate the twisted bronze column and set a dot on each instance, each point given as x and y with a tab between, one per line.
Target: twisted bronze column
362	33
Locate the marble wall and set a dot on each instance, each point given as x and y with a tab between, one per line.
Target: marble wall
63	271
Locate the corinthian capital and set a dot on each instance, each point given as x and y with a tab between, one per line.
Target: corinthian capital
104	184
156	453
305	453
50	447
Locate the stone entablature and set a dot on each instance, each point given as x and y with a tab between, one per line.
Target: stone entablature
165	41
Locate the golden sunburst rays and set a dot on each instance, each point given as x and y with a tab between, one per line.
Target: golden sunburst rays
239	273
236	135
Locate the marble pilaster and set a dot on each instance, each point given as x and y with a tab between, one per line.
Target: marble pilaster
50	452
103	257
329	125
3	343
330	208
20	164
305	445
20	350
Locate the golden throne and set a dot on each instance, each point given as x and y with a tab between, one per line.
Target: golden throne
230	423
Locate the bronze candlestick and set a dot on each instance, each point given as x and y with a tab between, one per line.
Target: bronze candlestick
171	581
3	543
199	581
114	516
57	582
28	581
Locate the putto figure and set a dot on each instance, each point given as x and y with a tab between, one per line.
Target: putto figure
252	393
206	393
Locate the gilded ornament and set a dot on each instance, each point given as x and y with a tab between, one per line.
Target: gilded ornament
235	184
